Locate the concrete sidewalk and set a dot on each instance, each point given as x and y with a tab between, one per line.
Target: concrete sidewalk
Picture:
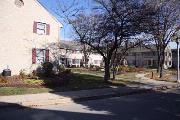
43	99
63	97
148	83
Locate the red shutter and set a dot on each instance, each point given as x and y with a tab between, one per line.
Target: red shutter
47	29
34	56
47	55
35	27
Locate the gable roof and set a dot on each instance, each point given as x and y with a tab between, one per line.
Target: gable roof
42	6
72	45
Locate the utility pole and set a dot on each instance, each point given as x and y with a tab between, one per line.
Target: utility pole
176	38
178	60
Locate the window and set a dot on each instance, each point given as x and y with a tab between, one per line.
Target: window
166	54
165	62
170	63
170	55
39	56
75	61
150	62
41	28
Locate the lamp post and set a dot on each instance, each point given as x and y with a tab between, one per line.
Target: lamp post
177	61
176	38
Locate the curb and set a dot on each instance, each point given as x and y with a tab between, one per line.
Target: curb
111	95
11	105
88	98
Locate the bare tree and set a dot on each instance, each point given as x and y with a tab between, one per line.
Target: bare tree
109	28
162	26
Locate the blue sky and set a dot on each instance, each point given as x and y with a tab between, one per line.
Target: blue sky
65	32
53	5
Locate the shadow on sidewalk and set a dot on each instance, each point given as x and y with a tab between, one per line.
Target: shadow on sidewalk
151	106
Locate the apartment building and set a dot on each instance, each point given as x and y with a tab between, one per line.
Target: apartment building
71	54
144	57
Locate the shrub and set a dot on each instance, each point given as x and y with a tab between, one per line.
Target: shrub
132	69
73	66
47	68
91	66
127	69
97	68
67	71
61	68
22	74
3	79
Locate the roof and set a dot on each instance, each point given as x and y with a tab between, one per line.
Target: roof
72	45
147	48
60	25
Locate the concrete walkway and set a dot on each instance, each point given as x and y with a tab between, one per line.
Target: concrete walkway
63	97
150	83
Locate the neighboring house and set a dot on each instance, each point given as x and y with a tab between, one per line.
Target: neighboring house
143	57
174	58
27	29
71	54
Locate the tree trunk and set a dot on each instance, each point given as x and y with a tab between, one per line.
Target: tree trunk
107	70
158	64
114	72
162	65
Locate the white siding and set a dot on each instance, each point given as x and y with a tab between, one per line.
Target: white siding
16	34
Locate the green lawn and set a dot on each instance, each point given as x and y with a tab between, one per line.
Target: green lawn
78	81
19	91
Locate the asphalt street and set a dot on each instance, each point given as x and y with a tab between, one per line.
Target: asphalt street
148	106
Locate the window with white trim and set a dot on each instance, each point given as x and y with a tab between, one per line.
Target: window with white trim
41	28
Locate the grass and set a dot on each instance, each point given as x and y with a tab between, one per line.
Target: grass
86	71
167	75
33	81
20	91
127	76
79	82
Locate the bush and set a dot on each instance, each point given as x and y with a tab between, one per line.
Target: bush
73	66
47	68
22	74
3	79
61	68
132	69
67	71
97	68
127	69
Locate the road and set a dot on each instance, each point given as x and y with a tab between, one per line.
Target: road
149	106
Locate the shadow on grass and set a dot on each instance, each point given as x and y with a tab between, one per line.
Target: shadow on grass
70	82
77	81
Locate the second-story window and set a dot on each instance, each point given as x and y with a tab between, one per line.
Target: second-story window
41	28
